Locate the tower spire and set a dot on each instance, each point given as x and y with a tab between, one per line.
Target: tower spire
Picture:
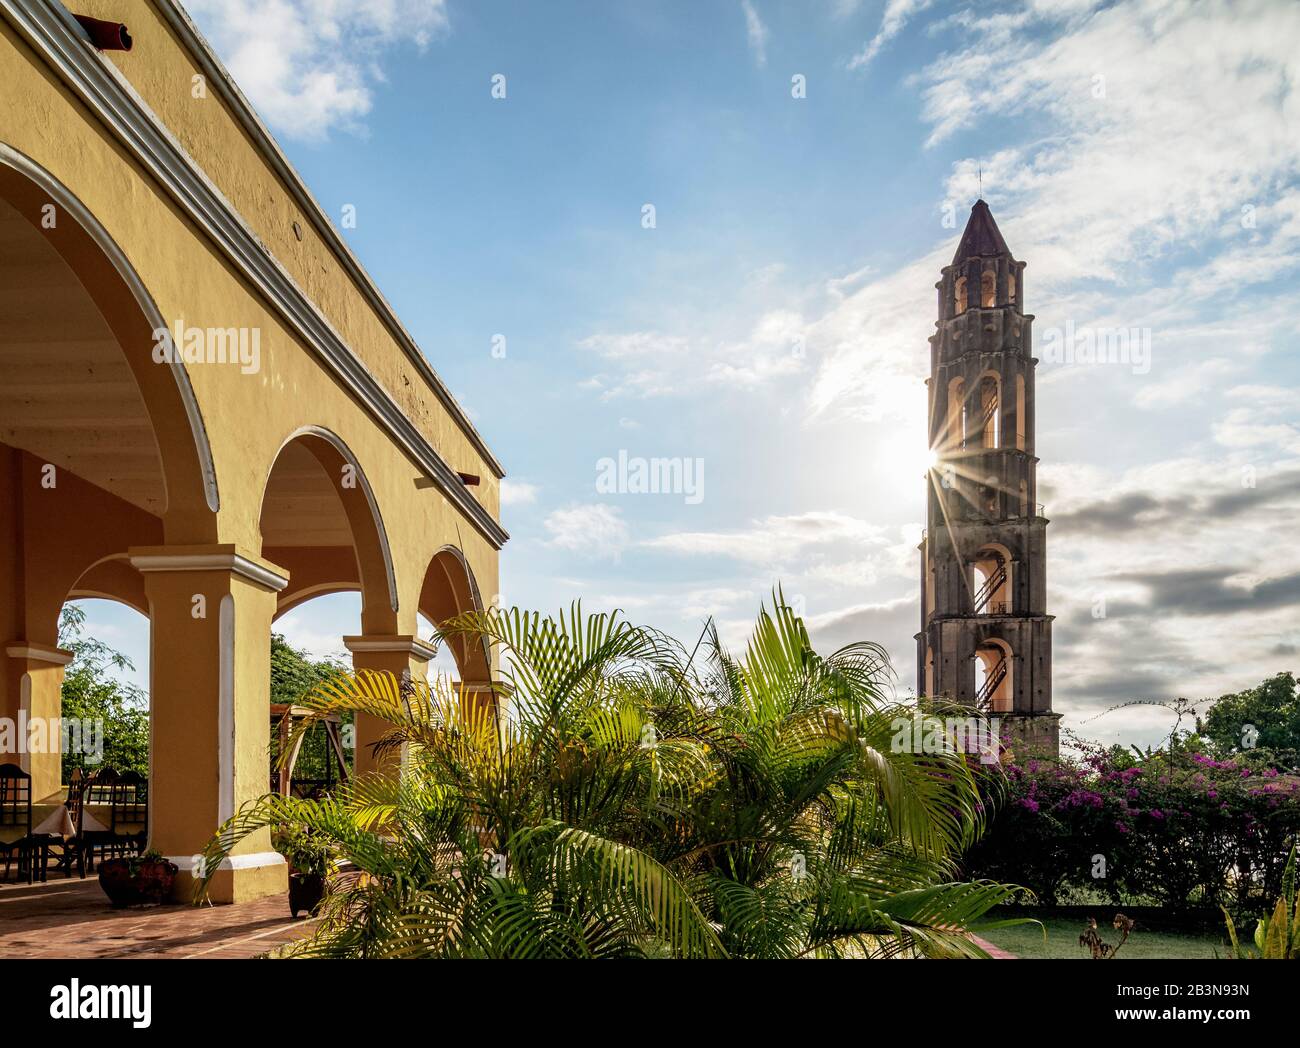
981	238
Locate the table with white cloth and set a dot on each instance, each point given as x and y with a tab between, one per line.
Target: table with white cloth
58	823
52	825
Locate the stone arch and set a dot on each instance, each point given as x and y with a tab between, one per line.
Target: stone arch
989	561
959	295
994	657
112	578
988	288
989	392
320	520
189	497
450	589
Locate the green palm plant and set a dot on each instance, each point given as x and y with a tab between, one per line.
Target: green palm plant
1277	936
822	838
627	802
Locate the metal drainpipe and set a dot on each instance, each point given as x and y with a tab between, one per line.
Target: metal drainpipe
106	36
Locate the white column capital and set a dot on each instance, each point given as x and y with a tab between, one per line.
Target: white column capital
147	559
21	649
403	643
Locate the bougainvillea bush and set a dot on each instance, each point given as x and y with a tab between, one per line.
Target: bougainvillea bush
1179	829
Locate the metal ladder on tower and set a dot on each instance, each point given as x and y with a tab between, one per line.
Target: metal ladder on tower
991	684
991	585
990	409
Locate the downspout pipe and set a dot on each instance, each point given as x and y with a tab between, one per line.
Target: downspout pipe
106	36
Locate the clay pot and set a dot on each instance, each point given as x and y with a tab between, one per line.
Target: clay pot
305	892
150	885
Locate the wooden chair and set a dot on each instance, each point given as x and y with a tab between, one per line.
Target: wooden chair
130	812
68	850
99	790
16	820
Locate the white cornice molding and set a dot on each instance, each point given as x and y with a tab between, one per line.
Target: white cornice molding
39	653
53	33
404	644
231	562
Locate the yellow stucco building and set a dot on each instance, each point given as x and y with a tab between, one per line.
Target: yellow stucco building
207	412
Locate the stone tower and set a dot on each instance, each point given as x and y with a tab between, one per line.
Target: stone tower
986	637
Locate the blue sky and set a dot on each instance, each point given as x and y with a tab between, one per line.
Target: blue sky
1142	157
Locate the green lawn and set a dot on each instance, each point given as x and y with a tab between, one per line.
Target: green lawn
1063	931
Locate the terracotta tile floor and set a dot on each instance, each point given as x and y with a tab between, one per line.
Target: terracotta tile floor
71	918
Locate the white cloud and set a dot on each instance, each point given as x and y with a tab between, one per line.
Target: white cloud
702	603
659	364
1186	382
757	33
518	492
772	539
896	15
1250	427
310	67
595	529
303	635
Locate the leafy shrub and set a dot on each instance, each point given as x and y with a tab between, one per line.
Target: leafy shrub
634	800
1181	830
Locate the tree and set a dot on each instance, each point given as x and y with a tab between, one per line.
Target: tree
293	675
116	713
634	803
1266	717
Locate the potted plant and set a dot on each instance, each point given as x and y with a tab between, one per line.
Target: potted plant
308	860
137	880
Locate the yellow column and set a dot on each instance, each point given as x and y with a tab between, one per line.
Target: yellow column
34	677
209	682
396	654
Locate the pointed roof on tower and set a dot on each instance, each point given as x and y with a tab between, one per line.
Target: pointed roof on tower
981	238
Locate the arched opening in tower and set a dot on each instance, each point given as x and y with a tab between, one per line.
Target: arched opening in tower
991	581
993	677
990	413
988	289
